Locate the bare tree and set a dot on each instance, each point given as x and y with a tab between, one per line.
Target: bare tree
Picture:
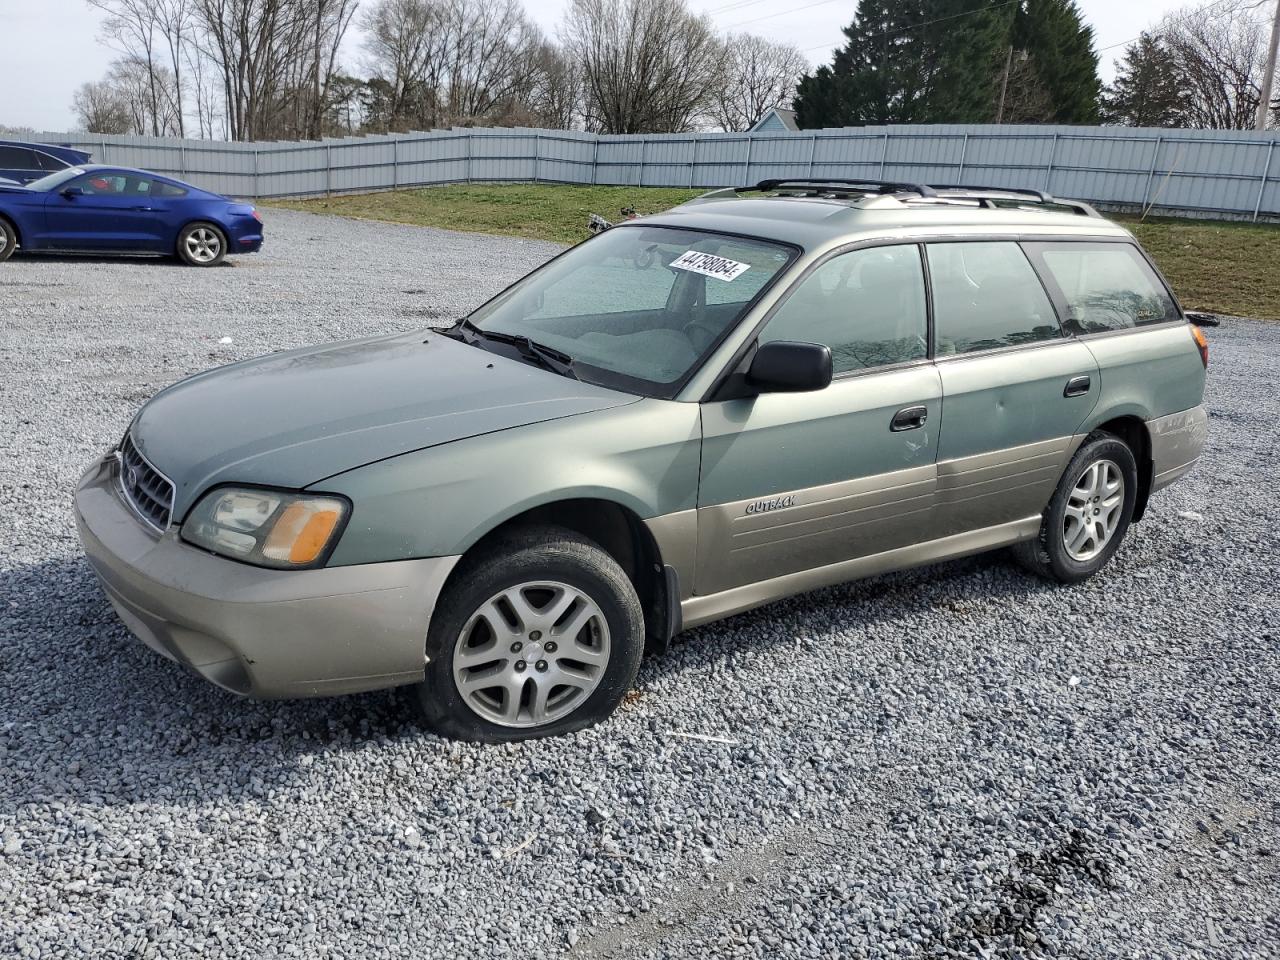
647	65
758	75
101	108
133	27
1221	56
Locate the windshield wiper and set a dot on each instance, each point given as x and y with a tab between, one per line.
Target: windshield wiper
552	359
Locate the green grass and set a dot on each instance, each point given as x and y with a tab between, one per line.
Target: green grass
556	213
1228	268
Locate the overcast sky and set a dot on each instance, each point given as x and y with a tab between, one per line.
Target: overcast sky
50	47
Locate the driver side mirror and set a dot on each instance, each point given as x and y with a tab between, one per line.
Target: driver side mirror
72	192
786	366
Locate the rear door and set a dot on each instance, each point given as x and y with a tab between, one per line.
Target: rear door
1015	388
793	482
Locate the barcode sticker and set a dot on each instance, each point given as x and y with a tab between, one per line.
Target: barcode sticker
709	265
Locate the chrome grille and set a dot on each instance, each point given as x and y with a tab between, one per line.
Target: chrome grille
144	488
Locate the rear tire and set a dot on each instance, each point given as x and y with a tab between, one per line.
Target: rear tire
1089	513
202	245
540	635
8	240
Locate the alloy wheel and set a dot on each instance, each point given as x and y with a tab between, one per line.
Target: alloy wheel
1094	508
204	245
531	654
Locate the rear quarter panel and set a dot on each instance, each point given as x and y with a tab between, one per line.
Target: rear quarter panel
1149	372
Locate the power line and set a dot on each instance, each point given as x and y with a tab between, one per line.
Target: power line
1194	13
781	13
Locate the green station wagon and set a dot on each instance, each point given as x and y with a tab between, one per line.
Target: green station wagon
764	391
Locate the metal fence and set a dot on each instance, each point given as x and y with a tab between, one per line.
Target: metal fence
1207	173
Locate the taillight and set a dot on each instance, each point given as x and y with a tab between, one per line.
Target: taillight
256	215
1198	336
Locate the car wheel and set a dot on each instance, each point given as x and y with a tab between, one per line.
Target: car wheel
1089	513
202	245
541	635
8	240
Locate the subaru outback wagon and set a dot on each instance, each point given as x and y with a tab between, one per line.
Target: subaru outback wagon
764	391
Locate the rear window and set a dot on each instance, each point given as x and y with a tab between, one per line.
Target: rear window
50	163
1105	286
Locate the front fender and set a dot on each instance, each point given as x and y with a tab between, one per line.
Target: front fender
440	501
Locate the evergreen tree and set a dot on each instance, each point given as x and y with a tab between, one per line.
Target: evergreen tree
1149	89
910	61
1059	48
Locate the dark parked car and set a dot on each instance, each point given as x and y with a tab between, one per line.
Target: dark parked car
117	209
24	162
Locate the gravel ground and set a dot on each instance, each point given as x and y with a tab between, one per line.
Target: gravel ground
957	761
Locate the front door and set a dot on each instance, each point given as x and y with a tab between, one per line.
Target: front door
113	211
792	482
1015	390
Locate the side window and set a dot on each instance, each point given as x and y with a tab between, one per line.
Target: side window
17	158
1106	286
162	189
986	296
868	306
49	163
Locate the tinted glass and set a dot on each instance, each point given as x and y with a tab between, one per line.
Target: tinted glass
162	189
868	306
637	307
986	296
49	163
1106	286
17	158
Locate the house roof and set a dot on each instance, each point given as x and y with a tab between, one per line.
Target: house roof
785	117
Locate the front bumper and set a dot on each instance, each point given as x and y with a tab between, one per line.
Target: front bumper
255	632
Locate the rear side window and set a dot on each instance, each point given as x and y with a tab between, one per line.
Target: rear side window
162	189
986	296
50	163
1104	286
17	158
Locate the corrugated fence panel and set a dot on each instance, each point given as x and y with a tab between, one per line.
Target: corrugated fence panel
1234	174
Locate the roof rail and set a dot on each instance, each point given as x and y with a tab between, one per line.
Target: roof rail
838	185
985	195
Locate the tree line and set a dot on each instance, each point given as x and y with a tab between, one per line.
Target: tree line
270	69
1034	61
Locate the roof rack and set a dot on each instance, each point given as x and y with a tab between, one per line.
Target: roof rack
838	185
985	197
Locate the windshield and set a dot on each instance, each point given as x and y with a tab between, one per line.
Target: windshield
55	180
637	308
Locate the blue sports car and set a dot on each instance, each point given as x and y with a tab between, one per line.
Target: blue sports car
98	208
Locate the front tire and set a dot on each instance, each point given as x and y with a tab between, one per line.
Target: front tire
540	635
1089	514
8	240
202	245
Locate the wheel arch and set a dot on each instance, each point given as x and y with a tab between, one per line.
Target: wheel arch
192	221
616	528
1132	429
13	225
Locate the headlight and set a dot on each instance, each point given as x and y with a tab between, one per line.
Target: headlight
268	528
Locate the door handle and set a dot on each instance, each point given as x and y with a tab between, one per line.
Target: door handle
1077	387
909	418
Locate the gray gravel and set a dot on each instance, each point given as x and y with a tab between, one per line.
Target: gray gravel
959	761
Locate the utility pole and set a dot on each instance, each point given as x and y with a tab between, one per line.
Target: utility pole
1004	84
1269	76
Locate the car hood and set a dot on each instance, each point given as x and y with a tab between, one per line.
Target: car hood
293	419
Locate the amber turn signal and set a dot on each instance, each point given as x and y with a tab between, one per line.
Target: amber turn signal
302	532
1198	336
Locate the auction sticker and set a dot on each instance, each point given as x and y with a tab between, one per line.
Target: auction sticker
709	265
